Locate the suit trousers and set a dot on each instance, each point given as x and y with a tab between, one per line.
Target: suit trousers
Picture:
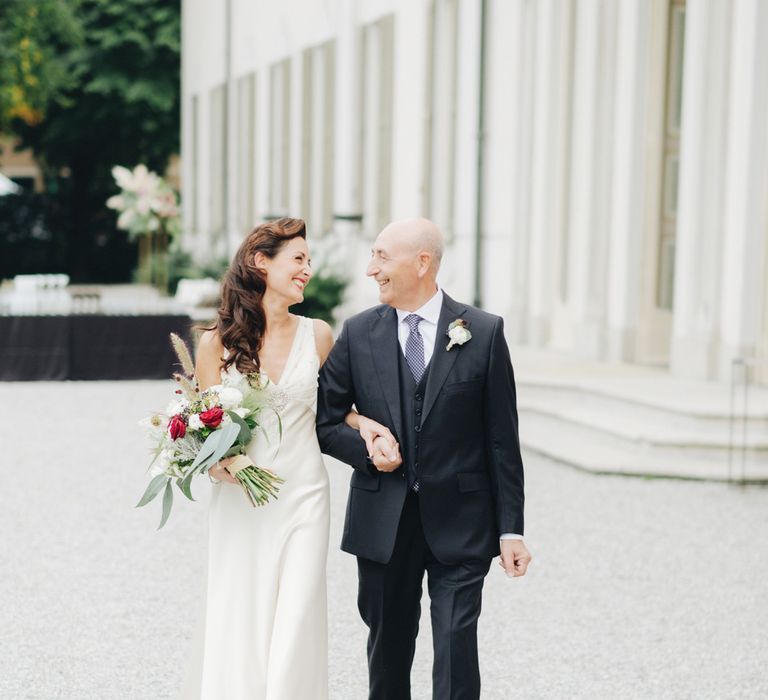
389	600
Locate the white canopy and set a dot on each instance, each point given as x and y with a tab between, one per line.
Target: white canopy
8	186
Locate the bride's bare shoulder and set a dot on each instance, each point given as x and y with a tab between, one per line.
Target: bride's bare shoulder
210	340
323	338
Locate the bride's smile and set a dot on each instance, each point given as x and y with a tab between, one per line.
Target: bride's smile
289	272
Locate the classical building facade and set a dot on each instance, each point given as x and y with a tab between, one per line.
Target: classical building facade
599	167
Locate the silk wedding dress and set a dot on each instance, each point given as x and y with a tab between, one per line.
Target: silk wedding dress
264	633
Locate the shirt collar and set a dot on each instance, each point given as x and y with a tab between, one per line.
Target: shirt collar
429	311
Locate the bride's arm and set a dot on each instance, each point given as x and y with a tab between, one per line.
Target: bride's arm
369	430
210	354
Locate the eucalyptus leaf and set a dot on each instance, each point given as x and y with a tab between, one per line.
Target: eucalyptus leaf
167	503
224	436
244	437
186	482
155	486
227	441
185	487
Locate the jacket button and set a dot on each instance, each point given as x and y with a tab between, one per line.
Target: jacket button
417	428
418	411
418	397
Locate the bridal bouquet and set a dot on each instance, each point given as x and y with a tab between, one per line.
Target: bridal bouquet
200	428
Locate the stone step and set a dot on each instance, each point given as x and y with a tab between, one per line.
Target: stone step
585	448
644	425
627	419
709	403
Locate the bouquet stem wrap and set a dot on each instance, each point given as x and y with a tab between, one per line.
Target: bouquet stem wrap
259	484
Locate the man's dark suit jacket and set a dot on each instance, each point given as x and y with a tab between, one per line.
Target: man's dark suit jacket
470	468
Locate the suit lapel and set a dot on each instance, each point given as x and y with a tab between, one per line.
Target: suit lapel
442	360
385	349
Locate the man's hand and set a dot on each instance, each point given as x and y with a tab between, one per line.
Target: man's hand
385	457
370	430
515	557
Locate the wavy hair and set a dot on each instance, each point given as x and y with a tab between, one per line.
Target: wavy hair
242	321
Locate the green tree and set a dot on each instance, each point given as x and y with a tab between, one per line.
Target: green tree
34	36
121	107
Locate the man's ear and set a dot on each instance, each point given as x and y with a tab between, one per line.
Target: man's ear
425	262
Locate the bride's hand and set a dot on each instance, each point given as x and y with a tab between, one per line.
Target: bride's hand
370	430
219	472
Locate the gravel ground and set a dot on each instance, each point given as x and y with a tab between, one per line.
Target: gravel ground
639	588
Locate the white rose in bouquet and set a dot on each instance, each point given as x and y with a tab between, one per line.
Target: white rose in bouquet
195	423
230	397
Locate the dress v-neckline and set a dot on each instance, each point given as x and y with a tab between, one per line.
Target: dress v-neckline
286	366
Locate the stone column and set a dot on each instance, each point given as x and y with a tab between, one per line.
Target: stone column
457	271
343	250
232	234
551	118
296	137
745	227
628	196
701	185
507	150
581	250
263	125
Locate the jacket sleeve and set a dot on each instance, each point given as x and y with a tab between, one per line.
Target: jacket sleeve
502	440
334	401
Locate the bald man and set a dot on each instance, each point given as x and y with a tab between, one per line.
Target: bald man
437	484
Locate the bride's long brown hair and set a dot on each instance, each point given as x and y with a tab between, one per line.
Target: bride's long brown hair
242	321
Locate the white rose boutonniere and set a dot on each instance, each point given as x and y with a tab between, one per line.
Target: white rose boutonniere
458	333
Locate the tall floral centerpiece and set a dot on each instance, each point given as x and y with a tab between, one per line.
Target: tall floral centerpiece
149	212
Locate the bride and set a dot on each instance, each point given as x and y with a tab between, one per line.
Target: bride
264	634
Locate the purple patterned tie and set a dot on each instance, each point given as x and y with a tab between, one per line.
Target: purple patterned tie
414	347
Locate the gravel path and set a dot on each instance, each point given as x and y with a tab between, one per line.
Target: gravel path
639	588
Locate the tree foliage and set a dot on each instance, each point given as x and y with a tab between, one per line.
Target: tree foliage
117	105
123	107
34	38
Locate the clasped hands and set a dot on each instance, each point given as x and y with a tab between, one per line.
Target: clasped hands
383	449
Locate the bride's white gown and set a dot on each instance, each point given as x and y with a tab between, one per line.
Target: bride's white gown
264	636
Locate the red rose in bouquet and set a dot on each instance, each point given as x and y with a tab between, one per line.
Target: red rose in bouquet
212	417
177	428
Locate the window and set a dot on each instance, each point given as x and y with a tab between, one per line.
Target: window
194	129
440	122
217	164
246	152
280	125
376	150
671	155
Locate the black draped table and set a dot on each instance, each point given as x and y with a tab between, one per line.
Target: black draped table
89	346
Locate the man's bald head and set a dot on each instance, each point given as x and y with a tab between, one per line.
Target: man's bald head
404	262
416	234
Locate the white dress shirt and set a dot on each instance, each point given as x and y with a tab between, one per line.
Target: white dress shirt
430	314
